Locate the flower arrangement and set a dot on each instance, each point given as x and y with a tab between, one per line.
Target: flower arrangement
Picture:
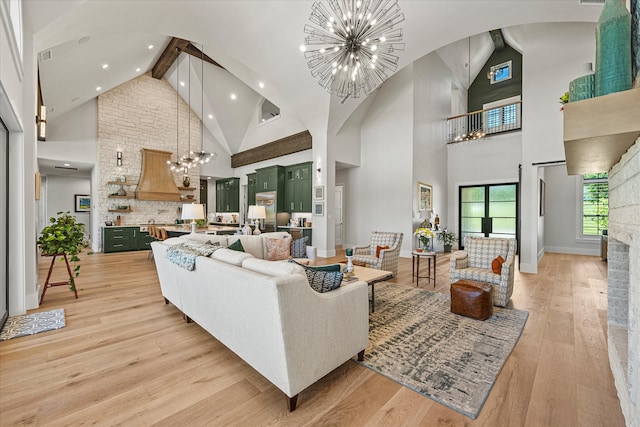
563	100
424	235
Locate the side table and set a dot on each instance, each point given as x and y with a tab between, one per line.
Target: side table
415	266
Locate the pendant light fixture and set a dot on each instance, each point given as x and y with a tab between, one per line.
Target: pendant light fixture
187	161
177	165
202	157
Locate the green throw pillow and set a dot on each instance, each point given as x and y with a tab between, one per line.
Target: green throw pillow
236	246
330	267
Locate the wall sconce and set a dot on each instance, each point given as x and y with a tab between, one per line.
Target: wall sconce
41	123
318	172
119	158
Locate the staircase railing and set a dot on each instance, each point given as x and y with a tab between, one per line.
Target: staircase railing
479	124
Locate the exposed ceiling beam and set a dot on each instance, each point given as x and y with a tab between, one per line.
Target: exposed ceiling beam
171	53
287	145
498	39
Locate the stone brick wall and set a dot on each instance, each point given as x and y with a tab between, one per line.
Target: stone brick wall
141	114
624	281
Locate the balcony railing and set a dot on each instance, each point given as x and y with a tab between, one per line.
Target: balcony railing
476	125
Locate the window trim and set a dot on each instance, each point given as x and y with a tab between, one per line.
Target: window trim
580	237
494	68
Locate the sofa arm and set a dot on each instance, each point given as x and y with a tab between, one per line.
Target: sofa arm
459	260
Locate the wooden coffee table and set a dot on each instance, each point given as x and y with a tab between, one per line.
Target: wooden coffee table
371	276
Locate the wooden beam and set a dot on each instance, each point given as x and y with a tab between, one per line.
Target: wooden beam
197	53
169	55
287	145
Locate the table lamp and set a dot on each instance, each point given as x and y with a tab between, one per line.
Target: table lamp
193	212
256	213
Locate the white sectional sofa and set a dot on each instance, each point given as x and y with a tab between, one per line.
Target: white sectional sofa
266	312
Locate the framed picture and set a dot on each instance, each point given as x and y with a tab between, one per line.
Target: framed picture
425	197
318	208
318	192
542	196
82	203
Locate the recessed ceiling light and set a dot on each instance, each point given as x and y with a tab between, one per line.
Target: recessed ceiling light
99	88
211	116
208	177
303	48
105	66
138	70
261	84
66	165
233	96
182	84
150	47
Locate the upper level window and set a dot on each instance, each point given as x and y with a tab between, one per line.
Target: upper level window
268	111
595	204
500	72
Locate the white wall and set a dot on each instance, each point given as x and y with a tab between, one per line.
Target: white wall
378	194
562	216
261	133
60	197
553	55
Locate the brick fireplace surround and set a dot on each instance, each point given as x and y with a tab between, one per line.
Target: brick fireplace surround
624	281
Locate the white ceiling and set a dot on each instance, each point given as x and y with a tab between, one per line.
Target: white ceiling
256	41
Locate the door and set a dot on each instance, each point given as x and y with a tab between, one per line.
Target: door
338	214
488	210
204	194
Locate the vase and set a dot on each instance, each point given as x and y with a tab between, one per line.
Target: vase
186	181
635	42
583	87
613	49
349	264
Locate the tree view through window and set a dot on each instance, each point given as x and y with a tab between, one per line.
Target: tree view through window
595	204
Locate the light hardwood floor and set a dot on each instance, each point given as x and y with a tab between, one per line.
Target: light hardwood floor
126	358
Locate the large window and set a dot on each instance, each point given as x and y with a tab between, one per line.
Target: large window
595	204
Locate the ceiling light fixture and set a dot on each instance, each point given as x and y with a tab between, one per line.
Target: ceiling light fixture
150	47
105	66
99	88
261	85
187	161
233	96
350	46
138	70
174	166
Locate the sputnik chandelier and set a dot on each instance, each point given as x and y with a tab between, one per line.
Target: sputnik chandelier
351	47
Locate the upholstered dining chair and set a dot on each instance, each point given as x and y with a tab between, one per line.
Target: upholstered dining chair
475	263
375	255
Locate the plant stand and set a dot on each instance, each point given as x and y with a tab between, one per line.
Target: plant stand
48	284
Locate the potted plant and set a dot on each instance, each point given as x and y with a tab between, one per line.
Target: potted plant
447	238
64	236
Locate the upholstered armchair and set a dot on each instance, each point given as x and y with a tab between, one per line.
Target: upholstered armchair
474	263
386	259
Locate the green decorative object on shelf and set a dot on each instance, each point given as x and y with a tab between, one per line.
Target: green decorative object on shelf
613	49
583	87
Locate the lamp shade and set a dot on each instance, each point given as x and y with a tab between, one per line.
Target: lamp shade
257	212
193	211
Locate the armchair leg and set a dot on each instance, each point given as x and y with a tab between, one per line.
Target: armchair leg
361	356
292	402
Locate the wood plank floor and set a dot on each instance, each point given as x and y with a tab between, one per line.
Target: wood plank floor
126	358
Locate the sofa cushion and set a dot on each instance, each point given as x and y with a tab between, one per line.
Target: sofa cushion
230	256
251	244
272	268
277	249
323	281
299	247
237	246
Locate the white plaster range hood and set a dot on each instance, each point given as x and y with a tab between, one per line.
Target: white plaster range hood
156	179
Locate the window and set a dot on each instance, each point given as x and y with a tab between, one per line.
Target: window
500	72
504	118
268	111
595	204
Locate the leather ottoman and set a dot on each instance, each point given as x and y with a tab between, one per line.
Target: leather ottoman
472	299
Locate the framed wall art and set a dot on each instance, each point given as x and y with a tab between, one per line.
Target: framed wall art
425	197
318	192
318	208
82	203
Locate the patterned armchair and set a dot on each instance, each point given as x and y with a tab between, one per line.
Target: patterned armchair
388	258
474	263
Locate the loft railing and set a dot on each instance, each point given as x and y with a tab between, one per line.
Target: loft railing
476	125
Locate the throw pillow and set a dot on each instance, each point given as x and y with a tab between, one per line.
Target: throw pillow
379	248
277	249
237	246
323	281
299	247
496	265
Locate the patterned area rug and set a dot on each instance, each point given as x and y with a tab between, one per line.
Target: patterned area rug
416	341
30	324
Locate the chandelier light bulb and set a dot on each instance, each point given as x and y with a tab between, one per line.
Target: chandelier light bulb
358	4
383	39
303	48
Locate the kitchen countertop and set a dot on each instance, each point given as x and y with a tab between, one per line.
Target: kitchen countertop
294	226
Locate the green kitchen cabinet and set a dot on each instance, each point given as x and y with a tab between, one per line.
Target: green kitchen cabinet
228	195
298	187
252	184
144	240
119	239
270	179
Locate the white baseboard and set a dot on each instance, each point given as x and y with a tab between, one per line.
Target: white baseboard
33	300
573	251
